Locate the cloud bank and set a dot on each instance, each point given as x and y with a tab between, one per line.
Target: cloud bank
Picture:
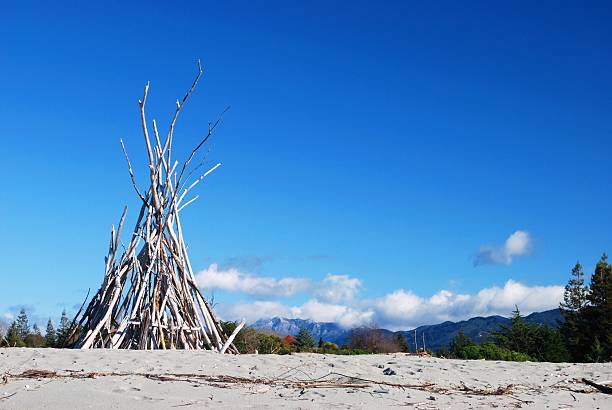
517	244
335	299
233	280
338	288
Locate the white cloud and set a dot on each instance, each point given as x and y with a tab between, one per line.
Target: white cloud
517	244
233	280
338	288
327	312
7	316
336	298
403	309
253	311
313	309
528	299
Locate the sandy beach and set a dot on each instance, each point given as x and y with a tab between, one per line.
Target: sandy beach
166	379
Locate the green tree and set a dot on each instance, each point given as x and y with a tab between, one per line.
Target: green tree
50	337
598	314
600	288
539	342
547	344
400	340
248	340
13	337
304	340
327	346
22	325
596	353
515	337
459	342
575	295
268	343
490	351
34	338
573	308
62	331
321	343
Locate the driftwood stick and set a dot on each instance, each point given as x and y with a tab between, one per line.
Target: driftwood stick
600	387
230	339
132	178
186	190
73	327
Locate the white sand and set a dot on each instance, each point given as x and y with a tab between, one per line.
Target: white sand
536	385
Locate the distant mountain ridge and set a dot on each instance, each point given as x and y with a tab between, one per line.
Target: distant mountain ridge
330	332
436	336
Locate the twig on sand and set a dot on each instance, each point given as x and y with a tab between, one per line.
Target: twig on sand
7	396
600	387
191	403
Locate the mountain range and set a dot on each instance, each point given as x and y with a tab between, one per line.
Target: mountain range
436	336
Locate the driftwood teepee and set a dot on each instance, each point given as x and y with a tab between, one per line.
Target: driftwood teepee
149	298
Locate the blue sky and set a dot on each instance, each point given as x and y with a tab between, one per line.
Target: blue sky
376	150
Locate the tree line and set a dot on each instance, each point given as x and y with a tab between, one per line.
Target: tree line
520	341
365	340
20	334
585	335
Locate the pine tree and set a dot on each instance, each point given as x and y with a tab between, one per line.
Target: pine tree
304	340
22	326
321	342
50	337
547	344
402	345
515	337
459	342
13	337
34	338
601	283
596	353
598	314
573	308
537	342
575	296
62	331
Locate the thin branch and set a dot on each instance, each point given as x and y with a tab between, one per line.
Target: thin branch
188	202
179	106
211	128
197	181
132	172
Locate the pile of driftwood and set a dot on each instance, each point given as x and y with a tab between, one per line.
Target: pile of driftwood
149	298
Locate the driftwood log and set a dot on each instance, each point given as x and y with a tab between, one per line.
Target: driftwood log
149	298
